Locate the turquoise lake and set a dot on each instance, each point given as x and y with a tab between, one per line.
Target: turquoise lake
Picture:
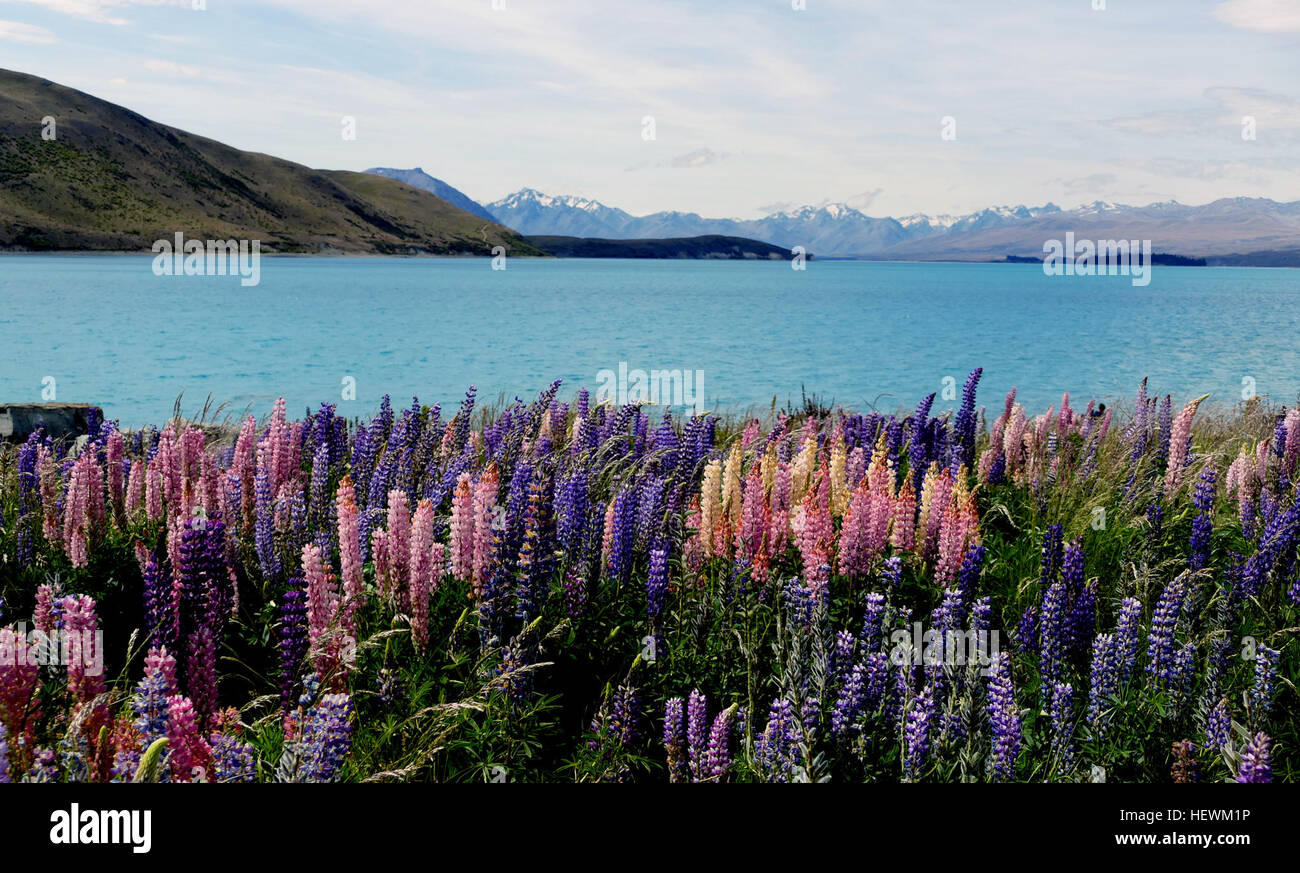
865	335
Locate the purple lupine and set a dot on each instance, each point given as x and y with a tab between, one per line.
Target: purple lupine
1261	693
849	703
718	754
1062	713
620	551
968	575
1104	681
873	620
918	450
1054	635
1004	717
159	605
916	734
1027	630
1218	725
679	769
264	529
1202	499
326	738
1051	555
625	715
891	573
1166	425
1127	632
697	733
4	755
964	425
1164	624
778	751
293	639
233	759
1256	760
656	585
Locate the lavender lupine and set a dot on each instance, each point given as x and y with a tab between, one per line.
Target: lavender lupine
697	733
1127	639
916	734
778	751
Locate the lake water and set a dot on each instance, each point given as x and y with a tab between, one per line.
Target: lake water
867	335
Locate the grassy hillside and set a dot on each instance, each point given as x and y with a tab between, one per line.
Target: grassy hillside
114	180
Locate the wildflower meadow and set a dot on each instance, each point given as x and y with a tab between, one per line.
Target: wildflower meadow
561	590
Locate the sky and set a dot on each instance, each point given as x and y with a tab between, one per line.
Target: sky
933	106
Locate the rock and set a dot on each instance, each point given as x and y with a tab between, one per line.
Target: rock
60	420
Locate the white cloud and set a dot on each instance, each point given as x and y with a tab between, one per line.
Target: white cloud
1269	16
29	33
99	11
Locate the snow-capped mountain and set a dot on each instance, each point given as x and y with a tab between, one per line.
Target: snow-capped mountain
1226	226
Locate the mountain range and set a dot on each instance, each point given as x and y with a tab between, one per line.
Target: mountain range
1233	226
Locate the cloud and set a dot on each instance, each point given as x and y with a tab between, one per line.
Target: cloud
171	68
697	158
1268	16
28	33
99	11
862	201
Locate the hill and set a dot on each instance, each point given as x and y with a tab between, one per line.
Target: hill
111	179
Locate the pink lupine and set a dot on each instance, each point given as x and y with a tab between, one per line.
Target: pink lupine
191	757
20	706
778	517
1179	445
322	606
607	537
135	488
191	467
462	529
244	467
169	467
350	549
153	501
751	433
903	537
852	559
753	516
421	573
379	554
1066	416
83	648
484	507
1013	443
814	531
44	614
83	512
51	526
399	543
1291	450
114	452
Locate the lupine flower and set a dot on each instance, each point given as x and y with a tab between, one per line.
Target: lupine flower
718	756
1256	760
326	738
1179	444
778	751
916	734
191	756
1185	769
697	734
1218	725
1062	712
1004	717
679	769
1261	694
1164	623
